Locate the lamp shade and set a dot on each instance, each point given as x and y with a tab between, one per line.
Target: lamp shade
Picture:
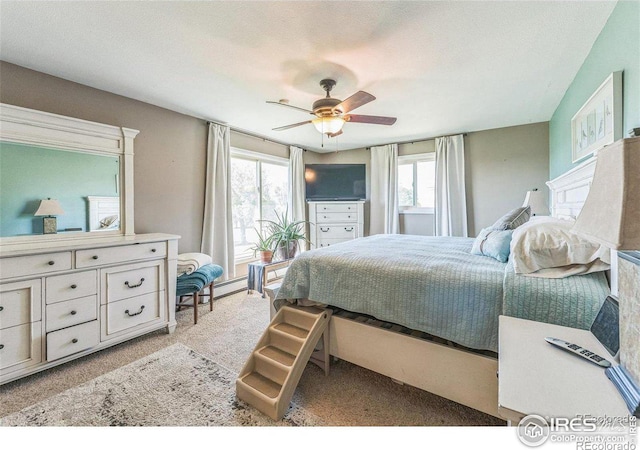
611	213
328	125
535	200
49	207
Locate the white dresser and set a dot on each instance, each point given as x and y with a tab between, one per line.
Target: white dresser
335	222
61	300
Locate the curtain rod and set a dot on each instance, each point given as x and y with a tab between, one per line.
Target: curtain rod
413	141
257	136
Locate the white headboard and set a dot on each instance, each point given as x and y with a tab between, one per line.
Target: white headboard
101	208
569	191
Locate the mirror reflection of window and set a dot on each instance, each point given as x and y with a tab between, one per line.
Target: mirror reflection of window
30	173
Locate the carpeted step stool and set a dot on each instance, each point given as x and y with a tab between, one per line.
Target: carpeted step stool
272	372
189	287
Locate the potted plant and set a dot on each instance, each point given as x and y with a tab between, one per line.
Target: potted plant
264	246
286	235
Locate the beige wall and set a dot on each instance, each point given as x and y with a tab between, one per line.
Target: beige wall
170	151
501	166
170	154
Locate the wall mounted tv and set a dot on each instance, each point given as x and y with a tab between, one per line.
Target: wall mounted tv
335	181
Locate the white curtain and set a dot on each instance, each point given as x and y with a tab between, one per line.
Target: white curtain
297	208
296	184
217	229
384	190
451	200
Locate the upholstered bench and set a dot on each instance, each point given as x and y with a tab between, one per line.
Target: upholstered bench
191	286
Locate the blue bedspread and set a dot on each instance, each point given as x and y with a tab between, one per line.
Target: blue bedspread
429	284
571	302
434	285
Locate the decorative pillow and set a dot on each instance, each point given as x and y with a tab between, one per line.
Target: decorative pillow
493	243
546	247
513	219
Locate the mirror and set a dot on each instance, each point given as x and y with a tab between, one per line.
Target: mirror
63	178
29	174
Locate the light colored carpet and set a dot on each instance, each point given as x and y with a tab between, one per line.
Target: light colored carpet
349	396
174	386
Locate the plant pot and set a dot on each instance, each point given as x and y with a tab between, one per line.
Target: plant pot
287	251
266	256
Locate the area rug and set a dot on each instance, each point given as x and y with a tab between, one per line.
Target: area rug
172	387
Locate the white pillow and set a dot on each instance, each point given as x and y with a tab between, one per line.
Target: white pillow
546	247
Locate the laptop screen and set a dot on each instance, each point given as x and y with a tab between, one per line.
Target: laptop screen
606	326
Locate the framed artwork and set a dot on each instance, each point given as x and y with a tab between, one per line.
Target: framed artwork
599	121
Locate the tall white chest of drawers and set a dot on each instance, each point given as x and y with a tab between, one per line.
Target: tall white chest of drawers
66	299
335	222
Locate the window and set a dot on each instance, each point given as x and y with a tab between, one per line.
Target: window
259	187
416	183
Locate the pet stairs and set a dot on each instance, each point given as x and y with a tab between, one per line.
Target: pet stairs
272	372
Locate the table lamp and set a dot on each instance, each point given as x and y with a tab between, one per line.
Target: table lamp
611	217
535	200
49	209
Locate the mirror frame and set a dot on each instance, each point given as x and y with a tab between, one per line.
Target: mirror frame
28	126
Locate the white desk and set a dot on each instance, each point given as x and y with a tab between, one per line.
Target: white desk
538	378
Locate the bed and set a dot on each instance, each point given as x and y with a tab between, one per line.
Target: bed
426	312
104	213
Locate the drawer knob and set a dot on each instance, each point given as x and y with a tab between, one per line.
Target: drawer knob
134	314
95	257
73	286
51	263
1	308
131	286
1	346
153	250
73	313
348	229
74	340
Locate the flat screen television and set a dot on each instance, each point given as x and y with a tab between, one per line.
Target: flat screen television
335	181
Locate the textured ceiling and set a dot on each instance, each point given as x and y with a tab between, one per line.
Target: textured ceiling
439	67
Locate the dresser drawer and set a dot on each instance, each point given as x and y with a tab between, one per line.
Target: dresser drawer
20	346
126	315
73	285
336	208
19	266
131	280
330	242
72	312
336	217
123	253
20	303
336	232
72	340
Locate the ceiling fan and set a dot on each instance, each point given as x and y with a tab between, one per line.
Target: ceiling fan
332	113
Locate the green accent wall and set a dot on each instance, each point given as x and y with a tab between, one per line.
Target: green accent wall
617	48
29	174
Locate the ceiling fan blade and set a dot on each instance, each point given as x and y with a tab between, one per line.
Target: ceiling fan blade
338	133
286	127
378	120
289	106
355	101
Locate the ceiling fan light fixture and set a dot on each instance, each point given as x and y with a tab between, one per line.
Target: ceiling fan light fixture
328	125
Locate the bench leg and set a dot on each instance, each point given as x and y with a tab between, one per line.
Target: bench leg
196	300
211	296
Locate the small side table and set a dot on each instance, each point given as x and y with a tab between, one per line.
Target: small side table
259	274
538	378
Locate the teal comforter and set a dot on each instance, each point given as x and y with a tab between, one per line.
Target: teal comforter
431	284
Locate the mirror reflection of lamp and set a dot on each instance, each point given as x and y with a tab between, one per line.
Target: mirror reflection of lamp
49	209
